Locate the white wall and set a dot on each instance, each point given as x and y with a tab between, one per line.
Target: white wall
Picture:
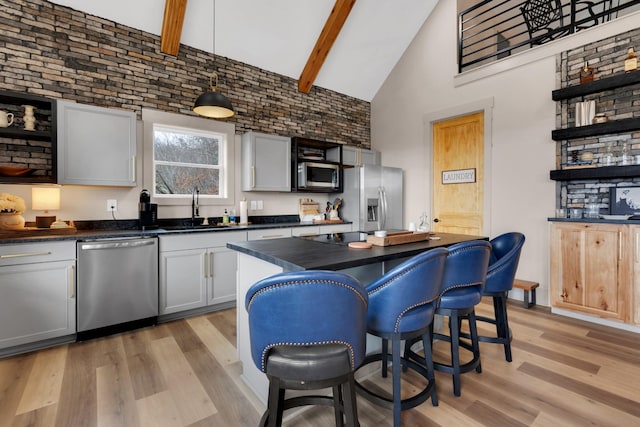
425	82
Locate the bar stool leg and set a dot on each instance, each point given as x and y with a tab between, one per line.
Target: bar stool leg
396	368
454	333
385	357
475	343
428	361
350	406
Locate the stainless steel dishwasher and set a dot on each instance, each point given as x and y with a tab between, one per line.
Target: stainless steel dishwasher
117	285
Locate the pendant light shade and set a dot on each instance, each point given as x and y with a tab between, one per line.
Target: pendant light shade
212	103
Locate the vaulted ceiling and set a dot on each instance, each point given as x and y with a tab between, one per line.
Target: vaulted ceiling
286	36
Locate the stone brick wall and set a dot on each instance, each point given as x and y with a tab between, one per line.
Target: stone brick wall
60	53
607	57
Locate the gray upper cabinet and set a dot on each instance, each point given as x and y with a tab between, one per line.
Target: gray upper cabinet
353	156
96	145
266	162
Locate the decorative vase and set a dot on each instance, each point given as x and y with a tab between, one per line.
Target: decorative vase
29	119
11	221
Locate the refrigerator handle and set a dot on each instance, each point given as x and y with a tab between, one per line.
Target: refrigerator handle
382	223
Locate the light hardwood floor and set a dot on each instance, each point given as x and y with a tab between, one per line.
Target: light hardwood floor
185	373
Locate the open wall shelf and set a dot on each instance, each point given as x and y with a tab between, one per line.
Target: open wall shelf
604	172
606	83
614	126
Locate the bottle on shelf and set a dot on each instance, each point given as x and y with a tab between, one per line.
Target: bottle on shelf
631	61
225	217
625	156
609	157
587	73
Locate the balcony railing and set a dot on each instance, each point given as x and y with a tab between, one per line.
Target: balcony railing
494	29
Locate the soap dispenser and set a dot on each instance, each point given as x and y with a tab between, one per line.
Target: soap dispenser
225	217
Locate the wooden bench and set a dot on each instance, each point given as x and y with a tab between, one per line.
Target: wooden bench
527	287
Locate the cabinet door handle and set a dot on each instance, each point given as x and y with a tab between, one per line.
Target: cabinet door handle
272	236
253	176
210	264
26	254
133	168
72	287
619	245
205	260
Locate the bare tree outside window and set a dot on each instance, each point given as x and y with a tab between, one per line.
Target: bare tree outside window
185	159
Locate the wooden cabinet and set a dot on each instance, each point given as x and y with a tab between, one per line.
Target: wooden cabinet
37	292
266	162
96	146
591	269
634	245
197	270
31	152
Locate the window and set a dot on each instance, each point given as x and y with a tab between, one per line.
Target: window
184	160
184	153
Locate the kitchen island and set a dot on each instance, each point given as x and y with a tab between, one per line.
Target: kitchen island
260	259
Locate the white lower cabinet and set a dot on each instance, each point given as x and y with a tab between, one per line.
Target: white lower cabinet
197	270
37	292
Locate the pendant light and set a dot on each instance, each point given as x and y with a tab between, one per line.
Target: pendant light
212	103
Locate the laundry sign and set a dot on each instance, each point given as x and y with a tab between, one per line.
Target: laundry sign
459	176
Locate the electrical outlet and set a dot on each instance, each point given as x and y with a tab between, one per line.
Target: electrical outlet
260	205
253	205
112	205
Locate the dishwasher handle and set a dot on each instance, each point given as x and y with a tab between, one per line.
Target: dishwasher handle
117	245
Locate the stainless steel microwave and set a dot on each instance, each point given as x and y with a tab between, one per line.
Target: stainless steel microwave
318	175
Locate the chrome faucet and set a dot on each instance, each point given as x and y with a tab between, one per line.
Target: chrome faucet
195	205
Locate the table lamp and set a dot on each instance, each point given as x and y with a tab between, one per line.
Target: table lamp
46	199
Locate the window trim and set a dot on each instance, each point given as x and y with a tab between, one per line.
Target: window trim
187	123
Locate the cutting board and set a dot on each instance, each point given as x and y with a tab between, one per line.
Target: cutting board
36	232
308	207
399	238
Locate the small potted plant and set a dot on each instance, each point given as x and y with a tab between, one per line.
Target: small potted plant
11	209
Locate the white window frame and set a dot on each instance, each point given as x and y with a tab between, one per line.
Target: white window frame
189	124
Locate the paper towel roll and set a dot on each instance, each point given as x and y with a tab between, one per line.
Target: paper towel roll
244	217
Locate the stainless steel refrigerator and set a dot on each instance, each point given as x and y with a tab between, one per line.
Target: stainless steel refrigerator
372	197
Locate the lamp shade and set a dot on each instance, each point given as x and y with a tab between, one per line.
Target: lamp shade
213	104
45	198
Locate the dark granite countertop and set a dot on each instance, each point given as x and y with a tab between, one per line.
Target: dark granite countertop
88	230
294	253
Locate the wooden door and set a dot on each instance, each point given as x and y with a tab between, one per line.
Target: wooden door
458	156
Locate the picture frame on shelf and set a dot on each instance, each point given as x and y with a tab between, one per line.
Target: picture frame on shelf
624	200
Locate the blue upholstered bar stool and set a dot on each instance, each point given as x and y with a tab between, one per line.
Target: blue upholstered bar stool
402	303
503	263
308	332
464	278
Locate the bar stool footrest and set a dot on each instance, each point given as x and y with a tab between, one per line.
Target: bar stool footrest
406	403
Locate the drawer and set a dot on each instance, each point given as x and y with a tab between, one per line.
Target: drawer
208	239
335	228
312	230
271	233
29	253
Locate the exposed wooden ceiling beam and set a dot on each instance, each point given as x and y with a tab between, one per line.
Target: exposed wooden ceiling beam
329	34
172	26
